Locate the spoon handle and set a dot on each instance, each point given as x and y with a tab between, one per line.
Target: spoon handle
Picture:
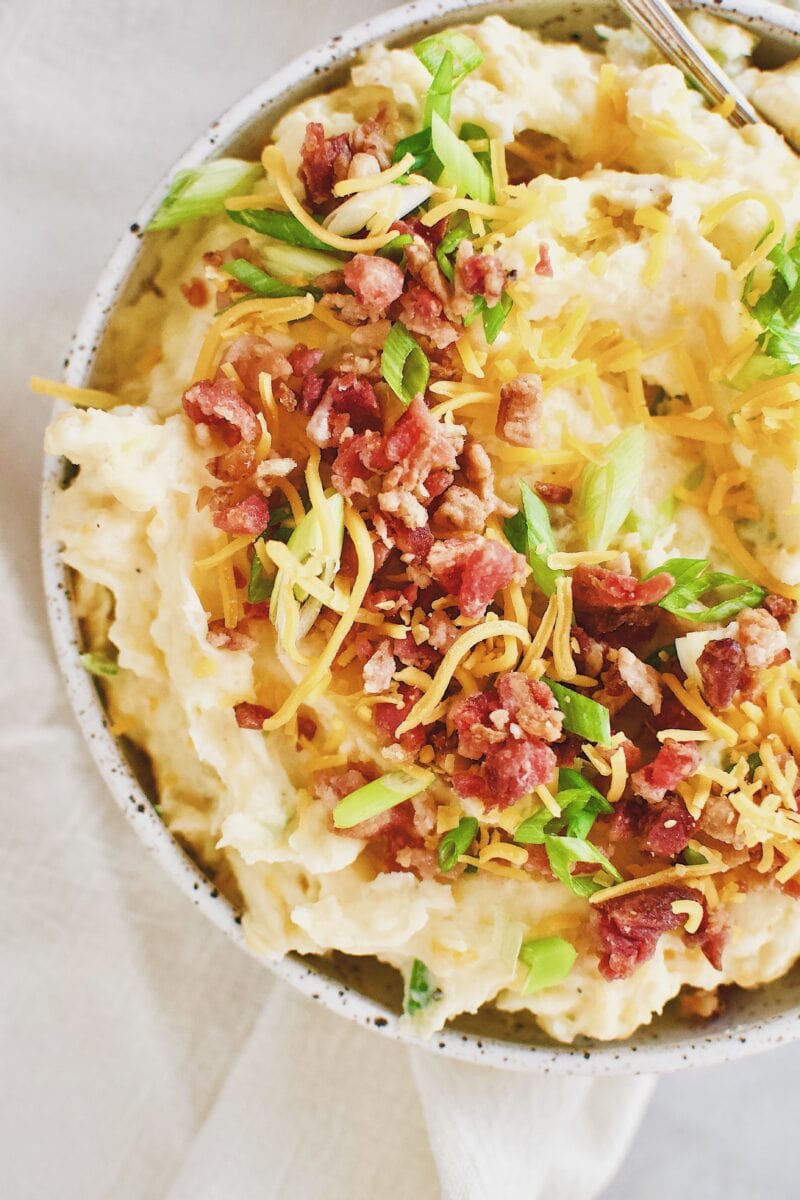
679	45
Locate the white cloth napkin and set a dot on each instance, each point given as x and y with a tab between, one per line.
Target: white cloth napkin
143	1056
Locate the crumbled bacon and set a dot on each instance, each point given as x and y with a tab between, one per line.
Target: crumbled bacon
251	355
222	638
236	463
389	716
720	820
424	267
302	359
251	716
470	785
478	274
421	312
357	459
543	266
474	569
520	410
431	234
667	828
250	515
375	282
323	162
220	406
349	402
531	705
333	784
372	137
416	542
389	600
412	655
589	654
195	292
644	681
628	927
379	668
553	493
471	717
779	607
417	447
513	770
461	509
674	762
762	639
721	666
442	631
595	587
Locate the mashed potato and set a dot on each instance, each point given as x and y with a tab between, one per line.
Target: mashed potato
625	269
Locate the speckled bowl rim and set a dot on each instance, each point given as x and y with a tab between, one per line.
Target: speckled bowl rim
629	1057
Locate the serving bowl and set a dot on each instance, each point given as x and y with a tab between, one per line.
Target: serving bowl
362	988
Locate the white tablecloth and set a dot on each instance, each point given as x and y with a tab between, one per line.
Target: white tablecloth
143	1056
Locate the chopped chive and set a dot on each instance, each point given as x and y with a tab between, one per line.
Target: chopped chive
420	989
456	842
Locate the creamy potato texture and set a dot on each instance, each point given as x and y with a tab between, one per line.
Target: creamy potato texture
636	165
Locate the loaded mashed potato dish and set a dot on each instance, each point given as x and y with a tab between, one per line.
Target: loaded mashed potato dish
440	545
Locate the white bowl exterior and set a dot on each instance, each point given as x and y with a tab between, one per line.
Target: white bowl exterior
640	1053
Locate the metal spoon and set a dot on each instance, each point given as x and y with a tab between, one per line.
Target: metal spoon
679	46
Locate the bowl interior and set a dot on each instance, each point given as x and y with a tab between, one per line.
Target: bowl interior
362	988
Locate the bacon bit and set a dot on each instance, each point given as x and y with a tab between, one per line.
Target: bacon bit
614	693
302	359
517	768
461	509
520	410
332	785
416	542
478	274
595	587
721	666
250	515
470	785
719	820
357	459
390	600
389	716
251	716
222	638
644	681
424	267
667	828
531	705
195	292
628	927
220	406
442	631
430	234
762	639
779	607
375	282
674	762
349	402
372	137
251	355
235	464
412	655
418	446
379	669
323	162
475	568
437	483
628	819
470	716
553	493
590	655
543	266
421	312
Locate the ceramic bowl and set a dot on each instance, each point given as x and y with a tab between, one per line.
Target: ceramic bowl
361	988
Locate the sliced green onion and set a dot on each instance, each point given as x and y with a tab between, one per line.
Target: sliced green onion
531	534
753	762
693	858
99	664
778	313
282	226
469	132
607	489
297	262
582	716
532	830
440	93
259	585
262	284
394	248
202	191
404	365
448	244
456	842
464	52
494	316
420	144
305	544
420	989
461	167
694	579
563	852
379	796
549	960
